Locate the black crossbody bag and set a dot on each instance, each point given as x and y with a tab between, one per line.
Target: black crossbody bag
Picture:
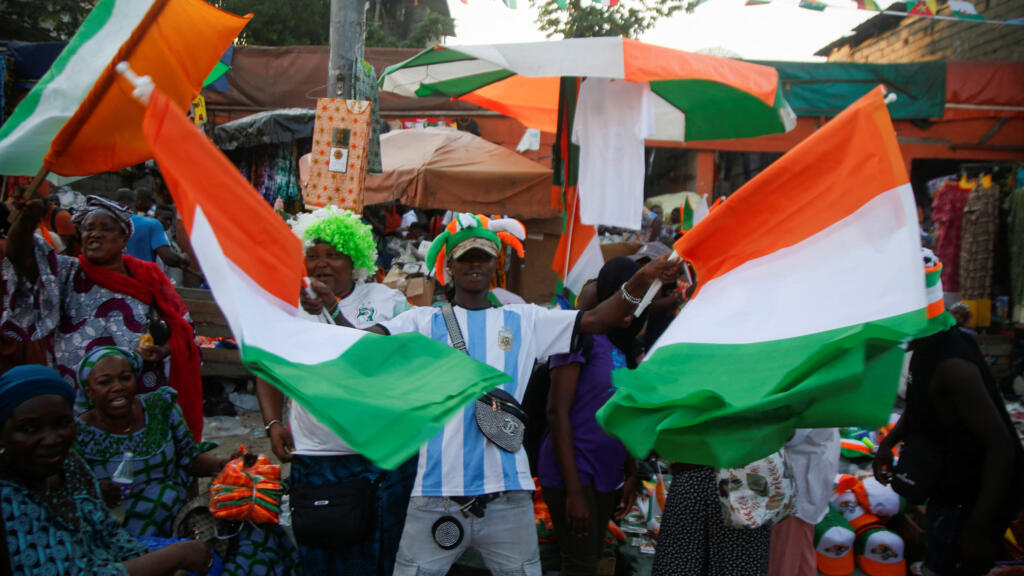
333	516
499	416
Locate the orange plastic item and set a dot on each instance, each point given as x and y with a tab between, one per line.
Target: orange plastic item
616	533
541	513
248	488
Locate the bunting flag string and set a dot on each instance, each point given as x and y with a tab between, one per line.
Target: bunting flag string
961	10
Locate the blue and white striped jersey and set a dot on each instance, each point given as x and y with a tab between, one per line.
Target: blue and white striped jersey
459	461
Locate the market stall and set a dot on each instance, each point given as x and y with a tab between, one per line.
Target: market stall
445	169
266	147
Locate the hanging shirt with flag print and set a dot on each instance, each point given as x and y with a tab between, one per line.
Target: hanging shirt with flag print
459	461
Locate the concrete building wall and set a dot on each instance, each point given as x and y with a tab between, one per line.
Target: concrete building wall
918	39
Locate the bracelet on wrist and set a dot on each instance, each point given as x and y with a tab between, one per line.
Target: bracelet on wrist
269	425
627	296
336	313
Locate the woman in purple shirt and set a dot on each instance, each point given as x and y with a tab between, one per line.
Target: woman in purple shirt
581	467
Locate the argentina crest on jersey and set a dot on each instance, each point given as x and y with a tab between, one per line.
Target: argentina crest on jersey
505	339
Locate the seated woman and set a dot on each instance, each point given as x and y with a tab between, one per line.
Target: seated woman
101	298
164	459
54	521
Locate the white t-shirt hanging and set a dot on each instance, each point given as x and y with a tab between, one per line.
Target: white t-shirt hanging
612	119
368	304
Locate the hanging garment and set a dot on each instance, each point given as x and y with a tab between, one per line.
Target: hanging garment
947	214
1015	235
612	119
284	183
978	241
366	89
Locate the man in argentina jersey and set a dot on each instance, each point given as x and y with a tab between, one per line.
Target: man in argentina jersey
459	461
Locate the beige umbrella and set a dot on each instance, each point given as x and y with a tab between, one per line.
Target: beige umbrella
445	169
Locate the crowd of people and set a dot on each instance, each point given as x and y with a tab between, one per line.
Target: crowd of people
122	383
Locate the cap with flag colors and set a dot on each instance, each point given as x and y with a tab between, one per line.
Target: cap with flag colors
856	442
78	120
833	545
878	499
846	504
383	395
879	552
810	280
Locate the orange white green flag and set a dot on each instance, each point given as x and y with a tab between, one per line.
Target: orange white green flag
79	119
811	280
578	257
383	395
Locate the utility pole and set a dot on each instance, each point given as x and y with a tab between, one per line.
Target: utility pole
346	38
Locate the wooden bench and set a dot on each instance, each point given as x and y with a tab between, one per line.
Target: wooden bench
209	321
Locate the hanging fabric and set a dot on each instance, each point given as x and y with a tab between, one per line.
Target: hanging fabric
1015	235
977	250
947	214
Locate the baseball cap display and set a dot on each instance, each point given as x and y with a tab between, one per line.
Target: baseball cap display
846	503
879	552
833	545
879	499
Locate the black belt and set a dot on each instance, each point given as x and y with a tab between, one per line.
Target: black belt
474	505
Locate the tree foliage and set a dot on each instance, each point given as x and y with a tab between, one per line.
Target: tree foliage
425	33
283	22
584	19
42	20
401	24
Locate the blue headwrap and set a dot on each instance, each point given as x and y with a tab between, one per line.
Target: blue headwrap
22	383
99	353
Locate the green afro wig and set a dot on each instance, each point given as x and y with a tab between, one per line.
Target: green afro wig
343	230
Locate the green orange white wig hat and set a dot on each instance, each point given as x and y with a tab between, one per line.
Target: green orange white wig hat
465	226
343	230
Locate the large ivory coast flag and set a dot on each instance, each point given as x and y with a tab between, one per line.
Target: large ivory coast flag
384	395
79	119
811	278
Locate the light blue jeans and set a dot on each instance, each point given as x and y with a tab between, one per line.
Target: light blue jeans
506	537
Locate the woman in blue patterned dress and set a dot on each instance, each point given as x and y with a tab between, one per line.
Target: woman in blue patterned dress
54	521
164	459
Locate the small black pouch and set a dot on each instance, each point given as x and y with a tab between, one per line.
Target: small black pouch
333	516
917	469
